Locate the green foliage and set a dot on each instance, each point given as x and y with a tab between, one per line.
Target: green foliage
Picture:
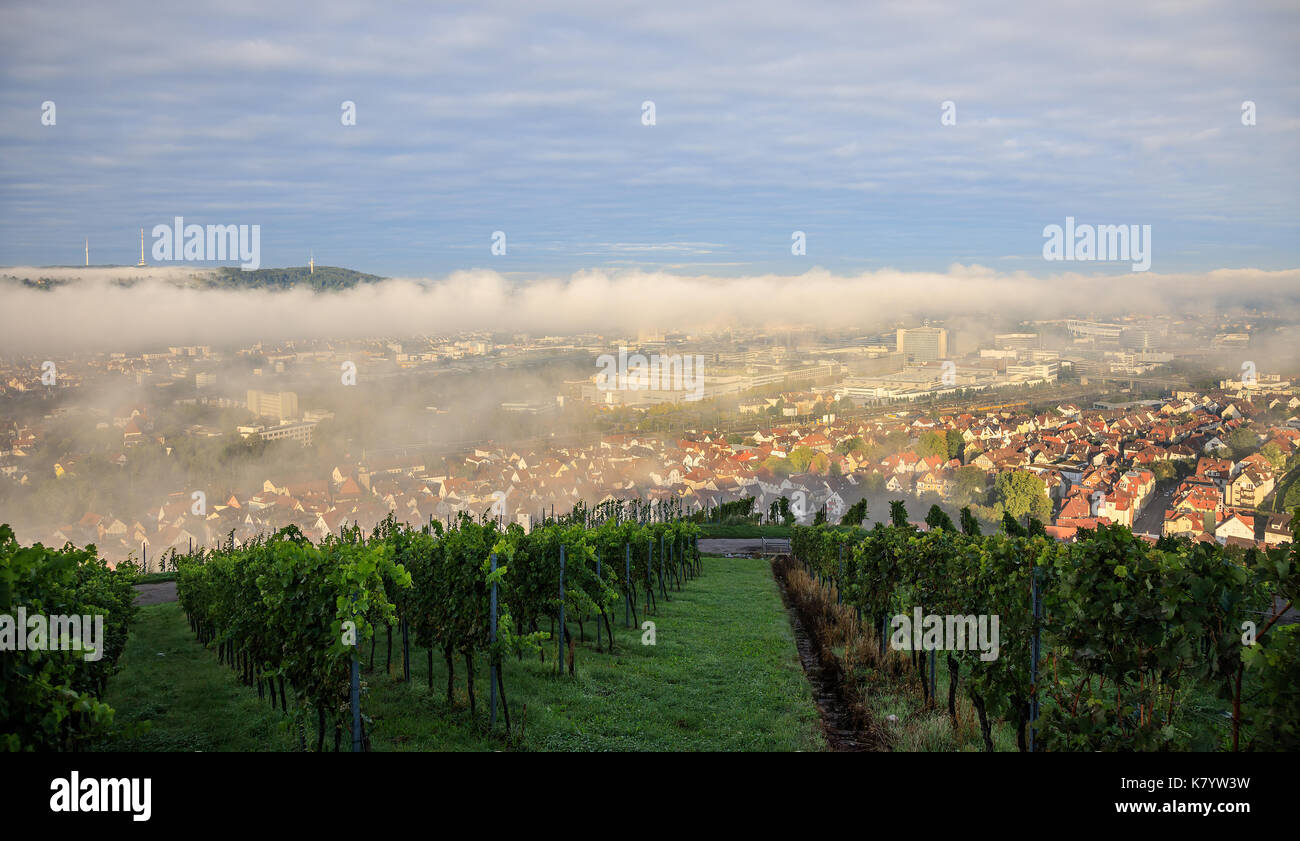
851	445
932	444
780	509
956	443
971	484
1019	493
50	699
800	459
734	512
856	513
323	279
1129	632
1164	471
1242	442
281	604
1275	711
937	518
1011	526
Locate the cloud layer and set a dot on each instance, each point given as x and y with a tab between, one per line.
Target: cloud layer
96	311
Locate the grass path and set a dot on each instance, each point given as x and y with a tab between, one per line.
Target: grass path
193	702
723	675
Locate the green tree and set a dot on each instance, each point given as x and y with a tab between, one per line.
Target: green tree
932	444
1242	442
1020	493
896	441
856	513
971	484
850	445
1011	526
937	518
955	443
1273	453
800	458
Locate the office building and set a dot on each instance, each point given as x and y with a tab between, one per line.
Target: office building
922	344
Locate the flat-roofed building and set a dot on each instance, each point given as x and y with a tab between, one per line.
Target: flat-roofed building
281	405
922	344
300	432
1018	341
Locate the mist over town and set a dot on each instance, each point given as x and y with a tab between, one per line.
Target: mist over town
477	394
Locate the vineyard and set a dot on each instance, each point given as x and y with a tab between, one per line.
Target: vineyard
1104	643
1108	643
51	700
288	614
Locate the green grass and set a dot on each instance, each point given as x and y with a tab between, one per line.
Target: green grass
723	675
192	702
155	577
931	730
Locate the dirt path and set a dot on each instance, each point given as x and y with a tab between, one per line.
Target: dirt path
836	721
163	591
841	732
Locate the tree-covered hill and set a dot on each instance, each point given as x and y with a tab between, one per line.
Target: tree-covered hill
325	278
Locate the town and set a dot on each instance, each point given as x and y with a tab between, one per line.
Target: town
1076	423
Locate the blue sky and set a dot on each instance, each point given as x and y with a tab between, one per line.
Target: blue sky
770	118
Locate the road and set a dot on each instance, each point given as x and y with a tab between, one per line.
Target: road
162	591
744	546
1152	518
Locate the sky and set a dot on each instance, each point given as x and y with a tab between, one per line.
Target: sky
768	119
